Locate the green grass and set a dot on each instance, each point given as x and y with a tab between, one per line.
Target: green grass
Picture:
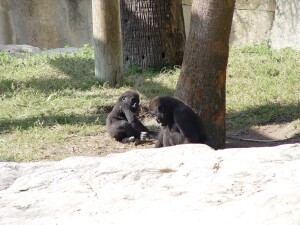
45	100
262	86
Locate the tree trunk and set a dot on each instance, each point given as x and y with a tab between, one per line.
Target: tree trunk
202	79
153	32
107	41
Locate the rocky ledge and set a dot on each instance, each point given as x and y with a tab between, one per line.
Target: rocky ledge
21	50
186	184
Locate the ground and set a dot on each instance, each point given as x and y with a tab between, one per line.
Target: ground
260	136
53	107
265	135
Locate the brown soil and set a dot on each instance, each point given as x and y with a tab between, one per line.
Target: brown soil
102	144
263	136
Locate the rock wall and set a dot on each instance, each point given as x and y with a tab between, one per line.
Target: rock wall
252	21
184	184
285	31
57	23
46	24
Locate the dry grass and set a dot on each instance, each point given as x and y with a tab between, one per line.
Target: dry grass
53	107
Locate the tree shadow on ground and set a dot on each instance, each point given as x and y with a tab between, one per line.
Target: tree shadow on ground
266	125
239	124
74	67
81	72
78	75
51	120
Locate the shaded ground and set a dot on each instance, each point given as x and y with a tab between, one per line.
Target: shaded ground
102	144
266	135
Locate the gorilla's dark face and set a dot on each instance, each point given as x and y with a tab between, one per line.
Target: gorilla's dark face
159	110
161	116
180	124
134	104
132	101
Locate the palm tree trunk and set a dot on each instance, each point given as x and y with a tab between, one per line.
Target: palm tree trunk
203	76
152	32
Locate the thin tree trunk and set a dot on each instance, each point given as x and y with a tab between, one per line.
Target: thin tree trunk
203	76
153	32
107	41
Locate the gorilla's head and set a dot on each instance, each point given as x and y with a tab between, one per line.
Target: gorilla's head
160	108
130	100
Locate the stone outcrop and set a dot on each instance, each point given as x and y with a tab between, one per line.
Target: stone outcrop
14	49
21	50
252	21
186	184
57	23
285	31
46	24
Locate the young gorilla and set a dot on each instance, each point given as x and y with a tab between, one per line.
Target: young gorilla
180	124
122	123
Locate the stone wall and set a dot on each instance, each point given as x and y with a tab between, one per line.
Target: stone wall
46	24
252	21
256	21
57	23
285	31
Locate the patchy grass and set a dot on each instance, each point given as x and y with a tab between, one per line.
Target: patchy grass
53	106
262	86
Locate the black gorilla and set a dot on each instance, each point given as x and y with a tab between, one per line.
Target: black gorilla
122	123
179	123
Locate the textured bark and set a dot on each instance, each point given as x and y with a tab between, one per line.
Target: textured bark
107	41
203	76
152	32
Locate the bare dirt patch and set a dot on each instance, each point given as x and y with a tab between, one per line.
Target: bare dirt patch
265	135
102	144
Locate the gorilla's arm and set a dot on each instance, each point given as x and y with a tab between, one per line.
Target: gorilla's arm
159	143
130	116
133	120
137	125
186	125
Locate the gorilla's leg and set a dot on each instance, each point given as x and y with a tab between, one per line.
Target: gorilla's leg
122	129
159	142
173	138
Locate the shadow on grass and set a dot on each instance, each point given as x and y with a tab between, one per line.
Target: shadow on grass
46	85
81	74
51	120
79	71
240	132
75	67
78	74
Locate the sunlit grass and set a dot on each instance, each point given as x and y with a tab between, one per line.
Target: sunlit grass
45	100
262	86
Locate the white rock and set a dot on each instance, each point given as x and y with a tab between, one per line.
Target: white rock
251	26
186	184
22	49
286	26
60	51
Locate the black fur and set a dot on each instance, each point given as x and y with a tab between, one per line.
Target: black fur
122	121
179	123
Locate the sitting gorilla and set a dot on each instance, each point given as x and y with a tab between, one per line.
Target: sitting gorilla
180	124
122	123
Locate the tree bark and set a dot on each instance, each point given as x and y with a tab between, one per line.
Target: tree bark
107	41
153	33
202	79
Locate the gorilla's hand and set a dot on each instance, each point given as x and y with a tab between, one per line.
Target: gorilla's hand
144	136
128	139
